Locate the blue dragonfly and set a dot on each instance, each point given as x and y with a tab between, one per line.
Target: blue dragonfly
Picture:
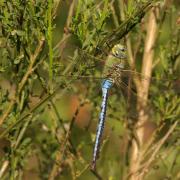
113	72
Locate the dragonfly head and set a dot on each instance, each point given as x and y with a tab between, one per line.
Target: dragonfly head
119	51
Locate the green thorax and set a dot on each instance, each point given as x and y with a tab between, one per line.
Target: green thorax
116	57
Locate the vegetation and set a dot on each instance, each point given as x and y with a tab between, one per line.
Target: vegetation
51	60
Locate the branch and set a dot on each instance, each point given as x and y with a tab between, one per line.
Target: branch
156	150
6	113
113	38
136	154
61	153
62	43
33	59
29	71
3	168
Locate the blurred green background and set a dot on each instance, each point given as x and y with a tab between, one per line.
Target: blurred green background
49	113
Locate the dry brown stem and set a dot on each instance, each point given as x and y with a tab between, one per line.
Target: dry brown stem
137	147
3	168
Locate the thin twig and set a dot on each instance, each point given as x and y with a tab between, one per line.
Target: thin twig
55	8
33	59
115	18
144	168
111	39
80	173
97	175
21	119
23	81
61	153
62	43
156	150
3	168
6	113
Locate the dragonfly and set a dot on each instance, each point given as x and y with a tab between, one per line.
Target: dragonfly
113	71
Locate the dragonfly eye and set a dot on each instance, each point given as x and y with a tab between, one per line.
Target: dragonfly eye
119	51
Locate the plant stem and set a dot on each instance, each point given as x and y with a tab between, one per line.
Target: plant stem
136	155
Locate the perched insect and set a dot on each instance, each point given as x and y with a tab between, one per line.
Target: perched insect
112	73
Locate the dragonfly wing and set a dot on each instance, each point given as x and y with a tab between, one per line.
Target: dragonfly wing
134	74
159	89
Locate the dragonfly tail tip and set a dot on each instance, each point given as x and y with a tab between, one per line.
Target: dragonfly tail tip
93	166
